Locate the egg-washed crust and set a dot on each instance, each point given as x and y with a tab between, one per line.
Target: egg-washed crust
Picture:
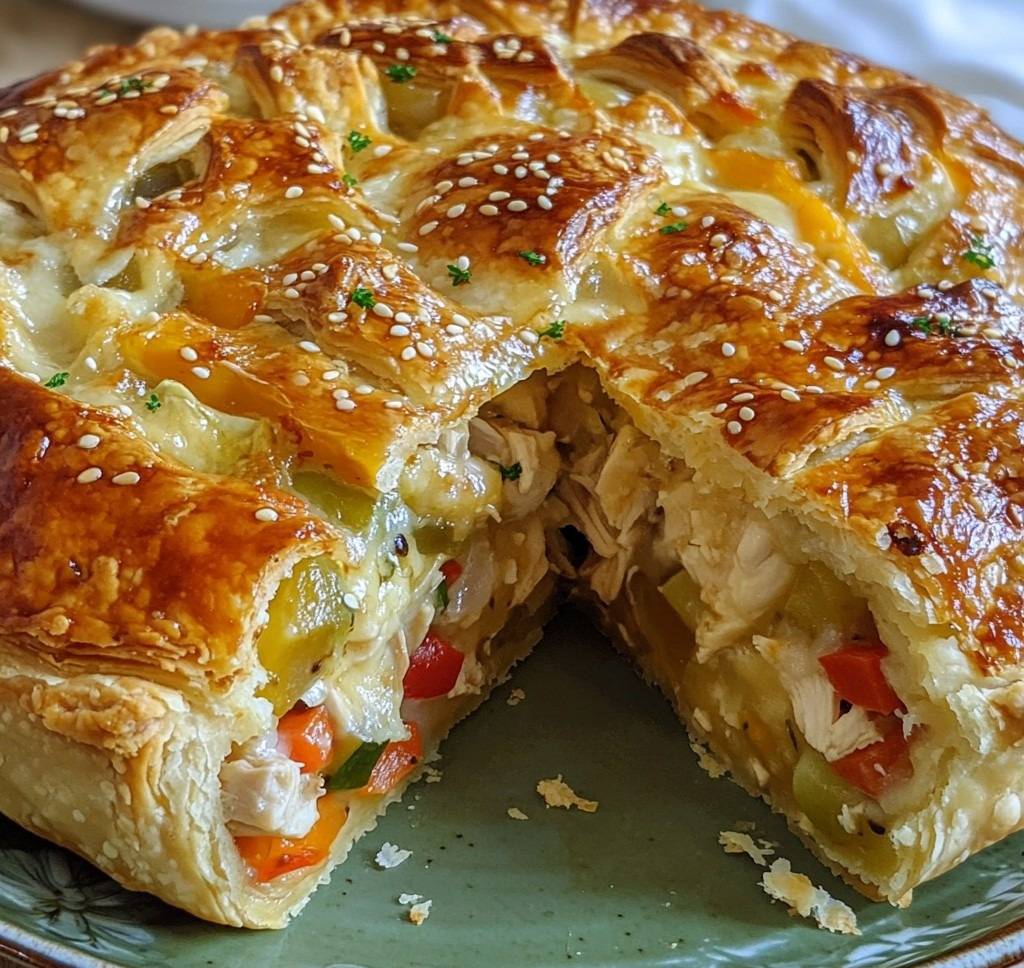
358	221
148	570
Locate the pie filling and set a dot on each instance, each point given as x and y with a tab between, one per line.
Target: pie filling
362	690
774	661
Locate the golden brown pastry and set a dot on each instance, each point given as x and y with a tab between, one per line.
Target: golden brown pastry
328	343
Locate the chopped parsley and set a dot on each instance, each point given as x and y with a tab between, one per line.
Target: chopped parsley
400	73
131	84
363	297
511	473
440	37
980	253
350	180
459	276
947	327
534	258
555	331
441	595
57	380
922	323
672	228
942	323
357	141
153	403
355	772
663	209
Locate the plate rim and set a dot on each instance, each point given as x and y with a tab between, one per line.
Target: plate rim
1000	948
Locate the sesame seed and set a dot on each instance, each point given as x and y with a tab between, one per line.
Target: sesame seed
833	363
529	336
300	379
293	191
393	404
337	317
292	277
892	338
202	372
383	310
276	74
467	181
364	389
791	395
408	247
89	475
460	319
499	169
498	196
339	392
344	404
350	600
337	221
945	284
744	397
188	354
425	350
718	240
544	202
427	228
454	330
517	205
456	210
795	345
734	426
871	384
883	168
291	293
398	330
488	209
719	408
381	150
746	413
89	441
309	346
91	364
126	478
728	350
409	353
265	514
330	375
885	372
707	221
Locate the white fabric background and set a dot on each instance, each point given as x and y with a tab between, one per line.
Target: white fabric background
973	47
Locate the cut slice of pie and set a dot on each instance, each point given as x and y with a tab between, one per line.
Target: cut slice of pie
335	346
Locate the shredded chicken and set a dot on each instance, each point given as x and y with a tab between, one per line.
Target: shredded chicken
265	792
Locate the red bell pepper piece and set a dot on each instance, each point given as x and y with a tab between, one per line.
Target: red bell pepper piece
397	761
855	672
873	769
307	736
433	668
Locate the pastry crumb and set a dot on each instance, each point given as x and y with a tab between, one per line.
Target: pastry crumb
736	842
419	912
409	898
516	814
558	793
707	760
390	856
781	884
515	697
432	775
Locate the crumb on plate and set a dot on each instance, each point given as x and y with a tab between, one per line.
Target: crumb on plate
419	912
736	842
515	697
390	856
558	793
781	884
516	814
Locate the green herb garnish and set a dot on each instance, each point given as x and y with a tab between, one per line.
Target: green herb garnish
555	331
131	84
442	38
57	380
922	323
980	253
672	228
441	596
363	297
947	327
355	772
663	209
534	258
358	141
349	180
511	473
459	276
400	73
153	403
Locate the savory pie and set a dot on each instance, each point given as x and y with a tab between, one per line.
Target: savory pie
334	346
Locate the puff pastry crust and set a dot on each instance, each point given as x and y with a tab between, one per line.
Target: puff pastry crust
731	305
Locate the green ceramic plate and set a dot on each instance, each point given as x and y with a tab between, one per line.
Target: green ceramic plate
642	882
